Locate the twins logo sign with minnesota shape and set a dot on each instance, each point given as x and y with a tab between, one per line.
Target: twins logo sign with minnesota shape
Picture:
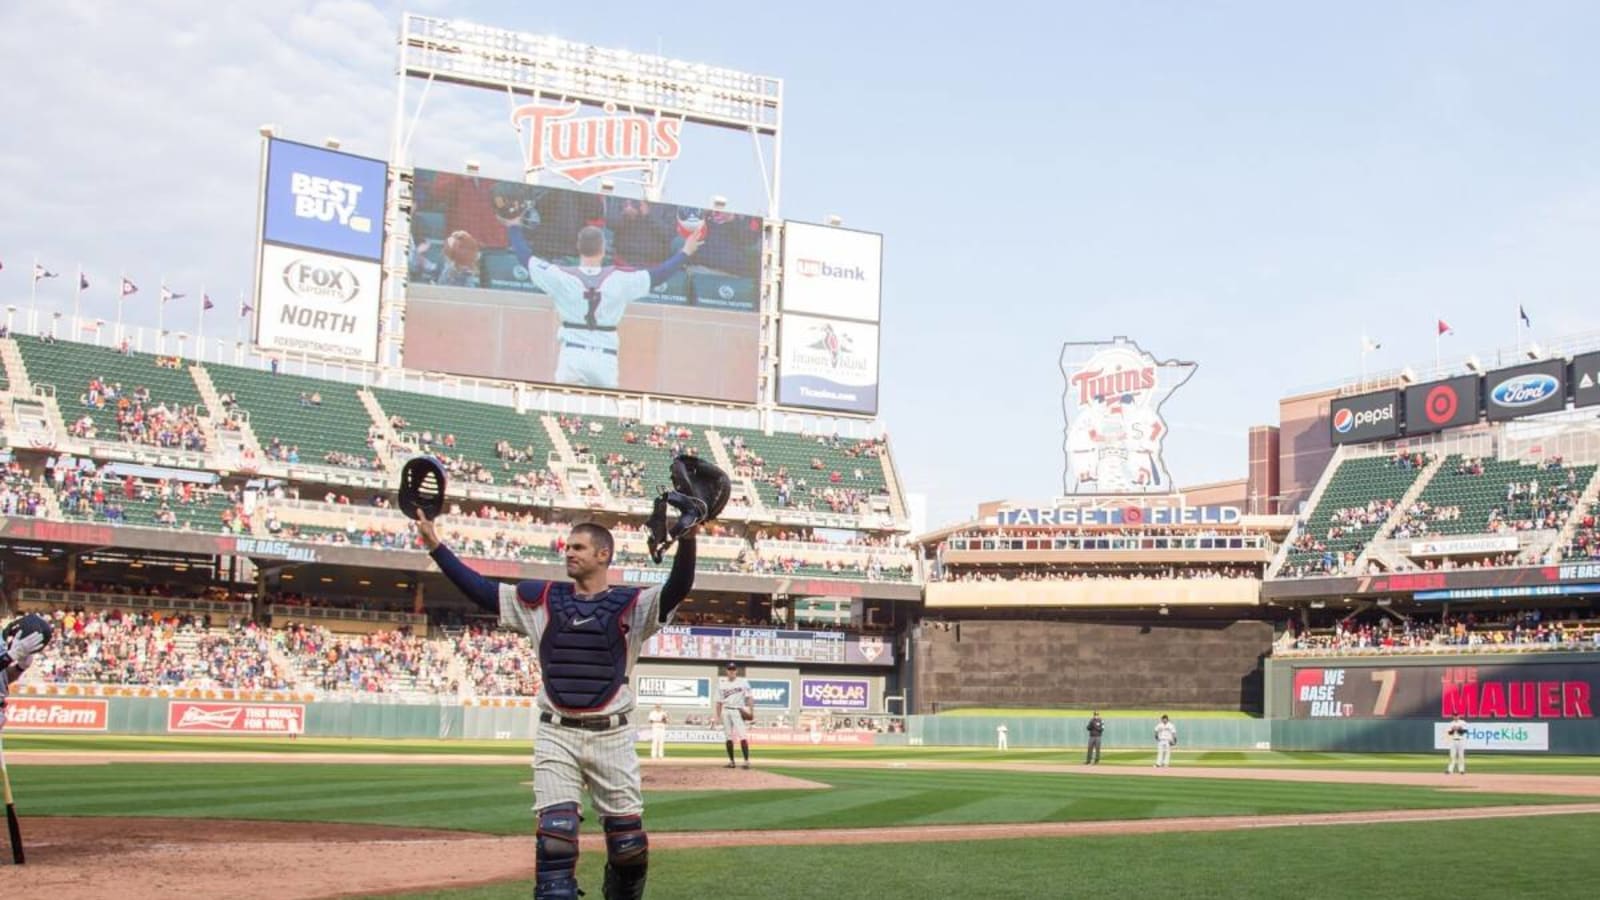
1114	431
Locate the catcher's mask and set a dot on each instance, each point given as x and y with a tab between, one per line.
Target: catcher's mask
421	493
700	491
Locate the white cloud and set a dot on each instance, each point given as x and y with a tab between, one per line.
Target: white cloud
133	144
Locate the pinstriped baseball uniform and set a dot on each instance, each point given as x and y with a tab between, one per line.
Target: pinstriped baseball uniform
562	755
734	695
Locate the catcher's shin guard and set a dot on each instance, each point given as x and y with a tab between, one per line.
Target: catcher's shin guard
556	855
627	857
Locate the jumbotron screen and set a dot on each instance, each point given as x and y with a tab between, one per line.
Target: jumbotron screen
530	283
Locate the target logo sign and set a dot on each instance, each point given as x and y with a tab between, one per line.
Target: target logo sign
1441	404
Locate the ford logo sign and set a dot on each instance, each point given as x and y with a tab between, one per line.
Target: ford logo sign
1524	390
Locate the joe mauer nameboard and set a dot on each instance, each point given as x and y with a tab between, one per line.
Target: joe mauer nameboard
1114	430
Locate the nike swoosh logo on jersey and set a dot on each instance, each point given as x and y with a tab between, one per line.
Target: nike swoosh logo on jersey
577	622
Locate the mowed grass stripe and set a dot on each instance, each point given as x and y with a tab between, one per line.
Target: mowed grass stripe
495	799
1508	763
1547	857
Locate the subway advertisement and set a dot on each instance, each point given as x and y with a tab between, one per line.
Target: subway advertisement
1482	693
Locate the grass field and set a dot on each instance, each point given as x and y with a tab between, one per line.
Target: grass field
1547	858
1533	764
1543	856
496	799
1152	714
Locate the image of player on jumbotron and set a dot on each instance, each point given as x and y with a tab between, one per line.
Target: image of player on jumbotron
543	284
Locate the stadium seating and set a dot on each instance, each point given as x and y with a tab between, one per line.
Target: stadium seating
70	368
149	504
633	459
339	425
477	429
1481	496
1585	542
800	455
1356	501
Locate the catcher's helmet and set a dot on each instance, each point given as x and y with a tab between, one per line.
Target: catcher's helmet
422	483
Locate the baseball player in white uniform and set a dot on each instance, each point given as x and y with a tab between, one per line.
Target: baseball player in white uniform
658	733
735	709
588	635
1456	735
1000	735
590	299
1166	736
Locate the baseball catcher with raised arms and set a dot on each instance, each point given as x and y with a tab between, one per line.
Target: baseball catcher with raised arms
588	635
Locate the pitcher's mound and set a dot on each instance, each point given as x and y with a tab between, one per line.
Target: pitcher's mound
719	778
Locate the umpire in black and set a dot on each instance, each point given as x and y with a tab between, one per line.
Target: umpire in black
1097	727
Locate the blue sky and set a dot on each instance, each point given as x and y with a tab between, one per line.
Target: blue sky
1248	185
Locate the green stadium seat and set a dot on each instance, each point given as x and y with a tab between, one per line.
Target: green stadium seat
1459	500
796	453
478	428
69	368
1355	485
339	425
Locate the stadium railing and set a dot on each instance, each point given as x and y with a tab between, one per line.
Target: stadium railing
56	599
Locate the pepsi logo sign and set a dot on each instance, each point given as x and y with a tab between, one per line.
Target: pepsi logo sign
1524	390
1347	420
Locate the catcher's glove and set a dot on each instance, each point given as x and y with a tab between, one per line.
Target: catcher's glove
700	491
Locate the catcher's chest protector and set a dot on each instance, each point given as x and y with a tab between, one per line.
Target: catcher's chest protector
583	654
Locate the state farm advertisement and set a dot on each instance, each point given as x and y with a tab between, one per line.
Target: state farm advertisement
184	717
48	714
1531	691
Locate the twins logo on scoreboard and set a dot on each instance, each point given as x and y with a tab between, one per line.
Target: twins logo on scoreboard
1112	403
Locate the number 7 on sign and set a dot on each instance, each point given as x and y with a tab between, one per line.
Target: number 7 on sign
1385	679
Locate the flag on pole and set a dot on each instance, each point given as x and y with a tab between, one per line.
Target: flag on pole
1523	314
1368	344
129	287
1444	327
205	302
244	309
83	282
169	295
41	272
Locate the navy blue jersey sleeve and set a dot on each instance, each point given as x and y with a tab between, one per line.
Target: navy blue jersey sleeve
680	580
667	268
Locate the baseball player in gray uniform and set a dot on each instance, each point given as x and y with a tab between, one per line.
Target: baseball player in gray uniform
1456	734
735	710
1166	736
588	635
591	298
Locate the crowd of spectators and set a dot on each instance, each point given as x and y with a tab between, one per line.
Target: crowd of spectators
1515	629
139	648
498	663
139	418
20	494
1132	573
380	662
